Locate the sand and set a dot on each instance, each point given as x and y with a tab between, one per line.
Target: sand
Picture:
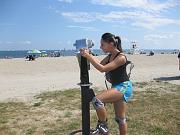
21	79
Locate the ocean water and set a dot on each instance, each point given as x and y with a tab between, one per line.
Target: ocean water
22	54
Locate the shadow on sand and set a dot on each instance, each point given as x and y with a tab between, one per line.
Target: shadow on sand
171	78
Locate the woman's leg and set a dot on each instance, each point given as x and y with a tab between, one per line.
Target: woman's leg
98	101
107	96
120	108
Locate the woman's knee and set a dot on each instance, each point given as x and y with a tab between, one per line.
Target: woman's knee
97	103
120	120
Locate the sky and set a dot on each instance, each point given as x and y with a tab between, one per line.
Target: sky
57	24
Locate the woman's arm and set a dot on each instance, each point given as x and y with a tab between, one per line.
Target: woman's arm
118	61
105	60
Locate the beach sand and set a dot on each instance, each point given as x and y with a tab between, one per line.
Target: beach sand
21	79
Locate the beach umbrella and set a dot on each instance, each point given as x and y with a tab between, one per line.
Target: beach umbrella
35	51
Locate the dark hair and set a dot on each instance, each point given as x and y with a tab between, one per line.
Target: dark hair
108	37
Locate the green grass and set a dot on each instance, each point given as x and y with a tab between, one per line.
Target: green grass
154	109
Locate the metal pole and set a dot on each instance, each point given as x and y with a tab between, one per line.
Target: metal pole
84	77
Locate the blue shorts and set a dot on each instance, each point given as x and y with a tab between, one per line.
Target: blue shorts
125	88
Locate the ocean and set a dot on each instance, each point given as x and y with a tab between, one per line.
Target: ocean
23	53
51	53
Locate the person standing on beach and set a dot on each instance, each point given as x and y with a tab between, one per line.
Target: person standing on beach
114	65
179	60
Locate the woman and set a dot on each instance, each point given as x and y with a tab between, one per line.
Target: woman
114	65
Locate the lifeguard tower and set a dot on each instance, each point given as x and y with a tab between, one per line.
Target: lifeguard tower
135	48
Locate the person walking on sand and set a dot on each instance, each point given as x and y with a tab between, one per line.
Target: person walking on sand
179	60
114	65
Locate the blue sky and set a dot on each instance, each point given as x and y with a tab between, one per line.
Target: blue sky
56	24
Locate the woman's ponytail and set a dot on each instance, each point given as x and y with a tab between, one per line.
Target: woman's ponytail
118	43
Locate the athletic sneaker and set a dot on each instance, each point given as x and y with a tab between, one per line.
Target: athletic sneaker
101	128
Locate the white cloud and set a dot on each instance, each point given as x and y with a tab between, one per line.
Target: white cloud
146	5
16	42
67	1
158	39
162	40
50	7
144	13
134	18
152	37
151	21
162	36
93	16
25	42
84	28
79	16
9	42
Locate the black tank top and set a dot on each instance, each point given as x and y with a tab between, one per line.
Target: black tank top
119	74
